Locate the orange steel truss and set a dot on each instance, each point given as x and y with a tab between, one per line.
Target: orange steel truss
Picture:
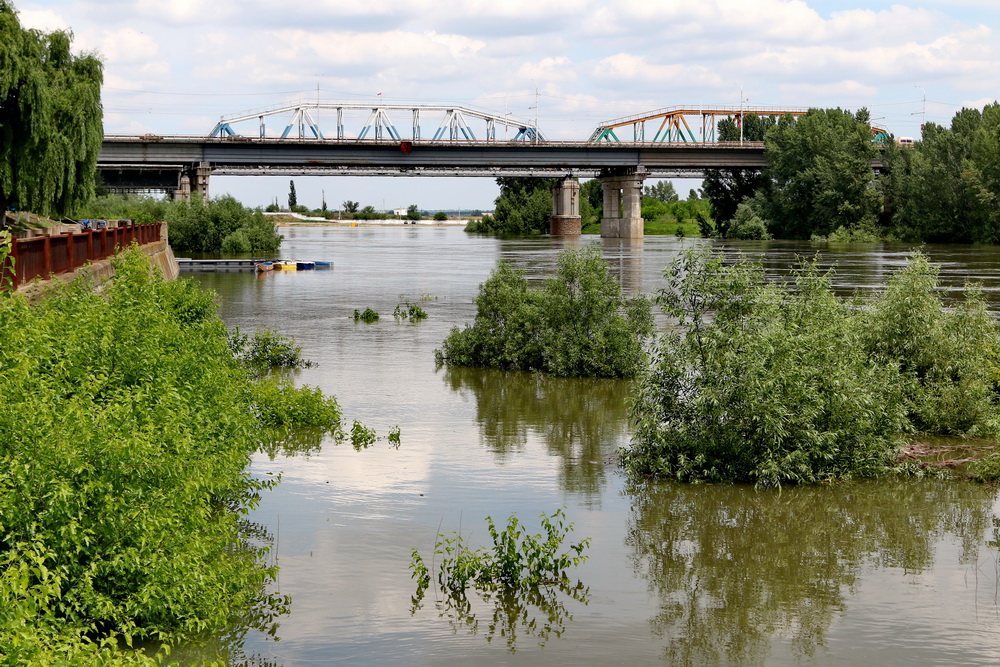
674	125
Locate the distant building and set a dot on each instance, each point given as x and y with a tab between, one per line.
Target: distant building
399	212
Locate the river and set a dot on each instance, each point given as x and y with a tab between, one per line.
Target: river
900	572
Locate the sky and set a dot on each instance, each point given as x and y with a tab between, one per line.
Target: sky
175	67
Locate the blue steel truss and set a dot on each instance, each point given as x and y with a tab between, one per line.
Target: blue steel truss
454	126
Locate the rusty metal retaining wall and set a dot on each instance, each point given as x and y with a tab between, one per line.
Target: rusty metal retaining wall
42	256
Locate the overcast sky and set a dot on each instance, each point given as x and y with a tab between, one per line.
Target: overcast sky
176	66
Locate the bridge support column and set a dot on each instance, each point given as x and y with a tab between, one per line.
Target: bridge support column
183	191
622	216
199	184
565	208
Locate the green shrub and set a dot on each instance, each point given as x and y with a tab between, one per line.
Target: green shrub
747	224
368	316
761	384
440	216
267	350
221	225
126	430
578	324
408	310
946	357
771	385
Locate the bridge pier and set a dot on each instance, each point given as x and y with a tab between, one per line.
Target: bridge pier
566	219
622	215
199	184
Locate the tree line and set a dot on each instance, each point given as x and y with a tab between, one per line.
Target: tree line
820	181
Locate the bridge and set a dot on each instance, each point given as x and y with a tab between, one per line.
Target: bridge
183	165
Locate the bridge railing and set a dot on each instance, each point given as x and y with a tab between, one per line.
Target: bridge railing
43	256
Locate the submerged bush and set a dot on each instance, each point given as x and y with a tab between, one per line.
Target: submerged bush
771	385
578	324
759	385
126	429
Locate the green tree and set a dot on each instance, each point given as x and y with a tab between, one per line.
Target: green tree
50	119
947	188
523	207
412	212
350	206
293	201
578	324
820	176
727	188
662	191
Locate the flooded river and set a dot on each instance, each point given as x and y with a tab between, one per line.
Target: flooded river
892	573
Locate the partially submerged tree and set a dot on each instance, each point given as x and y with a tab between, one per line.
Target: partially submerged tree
50	119
579	324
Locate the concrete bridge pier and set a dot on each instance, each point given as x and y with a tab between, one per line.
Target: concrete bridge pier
199	184
566	219
622	215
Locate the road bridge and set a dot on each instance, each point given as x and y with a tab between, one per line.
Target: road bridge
182	165
466	142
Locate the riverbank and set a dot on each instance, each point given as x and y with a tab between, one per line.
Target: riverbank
286	219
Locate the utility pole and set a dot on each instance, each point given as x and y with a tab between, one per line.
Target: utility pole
923	108
536	110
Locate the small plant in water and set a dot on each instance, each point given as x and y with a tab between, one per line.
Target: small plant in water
394	437
367	316
520	572
362	437
409	310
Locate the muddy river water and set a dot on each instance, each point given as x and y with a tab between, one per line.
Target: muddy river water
900	572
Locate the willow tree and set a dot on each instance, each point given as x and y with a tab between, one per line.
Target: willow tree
50	118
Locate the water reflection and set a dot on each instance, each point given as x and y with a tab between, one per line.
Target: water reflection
538	612
580	420
733	567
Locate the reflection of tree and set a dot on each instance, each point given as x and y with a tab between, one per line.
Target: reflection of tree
735	567
581	420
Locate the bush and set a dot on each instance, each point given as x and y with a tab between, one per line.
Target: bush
747	224
125	435
772	385
221	225
440	216
578	324
759	385
946	357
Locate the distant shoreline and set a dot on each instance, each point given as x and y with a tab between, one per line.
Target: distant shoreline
286	219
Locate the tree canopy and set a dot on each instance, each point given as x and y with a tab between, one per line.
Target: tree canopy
523	207
50	118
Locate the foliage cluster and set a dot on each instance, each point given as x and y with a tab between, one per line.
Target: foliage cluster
517	559
578	324
221	224
368	316
523	207
819	183
125	432
521	573
51	120
411	311
267	349
947	187
771	384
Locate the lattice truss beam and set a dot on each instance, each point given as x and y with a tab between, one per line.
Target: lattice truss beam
454	125
675	124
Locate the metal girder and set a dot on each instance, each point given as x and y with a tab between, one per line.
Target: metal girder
674	126
455	125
